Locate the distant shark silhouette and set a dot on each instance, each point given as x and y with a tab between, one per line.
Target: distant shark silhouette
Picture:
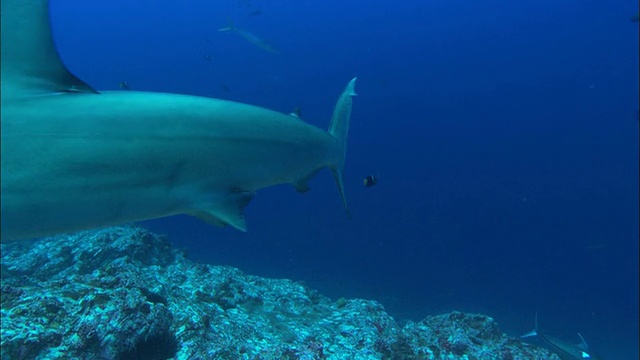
250	37
564	349
74	159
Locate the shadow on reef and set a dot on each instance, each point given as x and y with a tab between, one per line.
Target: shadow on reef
157	347
125	293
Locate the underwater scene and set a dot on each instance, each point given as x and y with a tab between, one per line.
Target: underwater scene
252	179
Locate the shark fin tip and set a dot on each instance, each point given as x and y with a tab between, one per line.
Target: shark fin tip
229	211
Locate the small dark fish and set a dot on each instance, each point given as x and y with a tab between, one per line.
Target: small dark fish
370	180
255	13
225	88
124	85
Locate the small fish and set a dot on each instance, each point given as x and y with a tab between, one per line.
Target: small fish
225	87
124	85
370	181
255	13
255	40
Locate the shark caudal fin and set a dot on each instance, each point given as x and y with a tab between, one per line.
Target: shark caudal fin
339	128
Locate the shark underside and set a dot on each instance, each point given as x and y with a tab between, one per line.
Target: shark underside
74	159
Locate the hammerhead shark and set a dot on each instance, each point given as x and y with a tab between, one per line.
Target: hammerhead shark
565	350
250	37
74	158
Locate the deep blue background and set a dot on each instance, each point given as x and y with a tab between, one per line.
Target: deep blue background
504	134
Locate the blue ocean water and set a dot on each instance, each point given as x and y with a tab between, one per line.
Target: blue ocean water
504	135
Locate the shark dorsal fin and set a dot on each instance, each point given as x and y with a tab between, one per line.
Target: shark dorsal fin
30	61
533	332
583	343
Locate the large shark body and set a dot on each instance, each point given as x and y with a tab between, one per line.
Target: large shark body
74	159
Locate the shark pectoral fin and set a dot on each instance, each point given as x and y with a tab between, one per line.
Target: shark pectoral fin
231	27
531	333
207	217
302	185
297	113
225	211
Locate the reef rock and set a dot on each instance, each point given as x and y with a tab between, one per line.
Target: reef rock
125	293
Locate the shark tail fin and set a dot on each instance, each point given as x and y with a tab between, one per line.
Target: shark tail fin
533	332
339	129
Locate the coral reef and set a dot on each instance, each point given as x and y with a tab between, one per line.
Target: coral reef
125	293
